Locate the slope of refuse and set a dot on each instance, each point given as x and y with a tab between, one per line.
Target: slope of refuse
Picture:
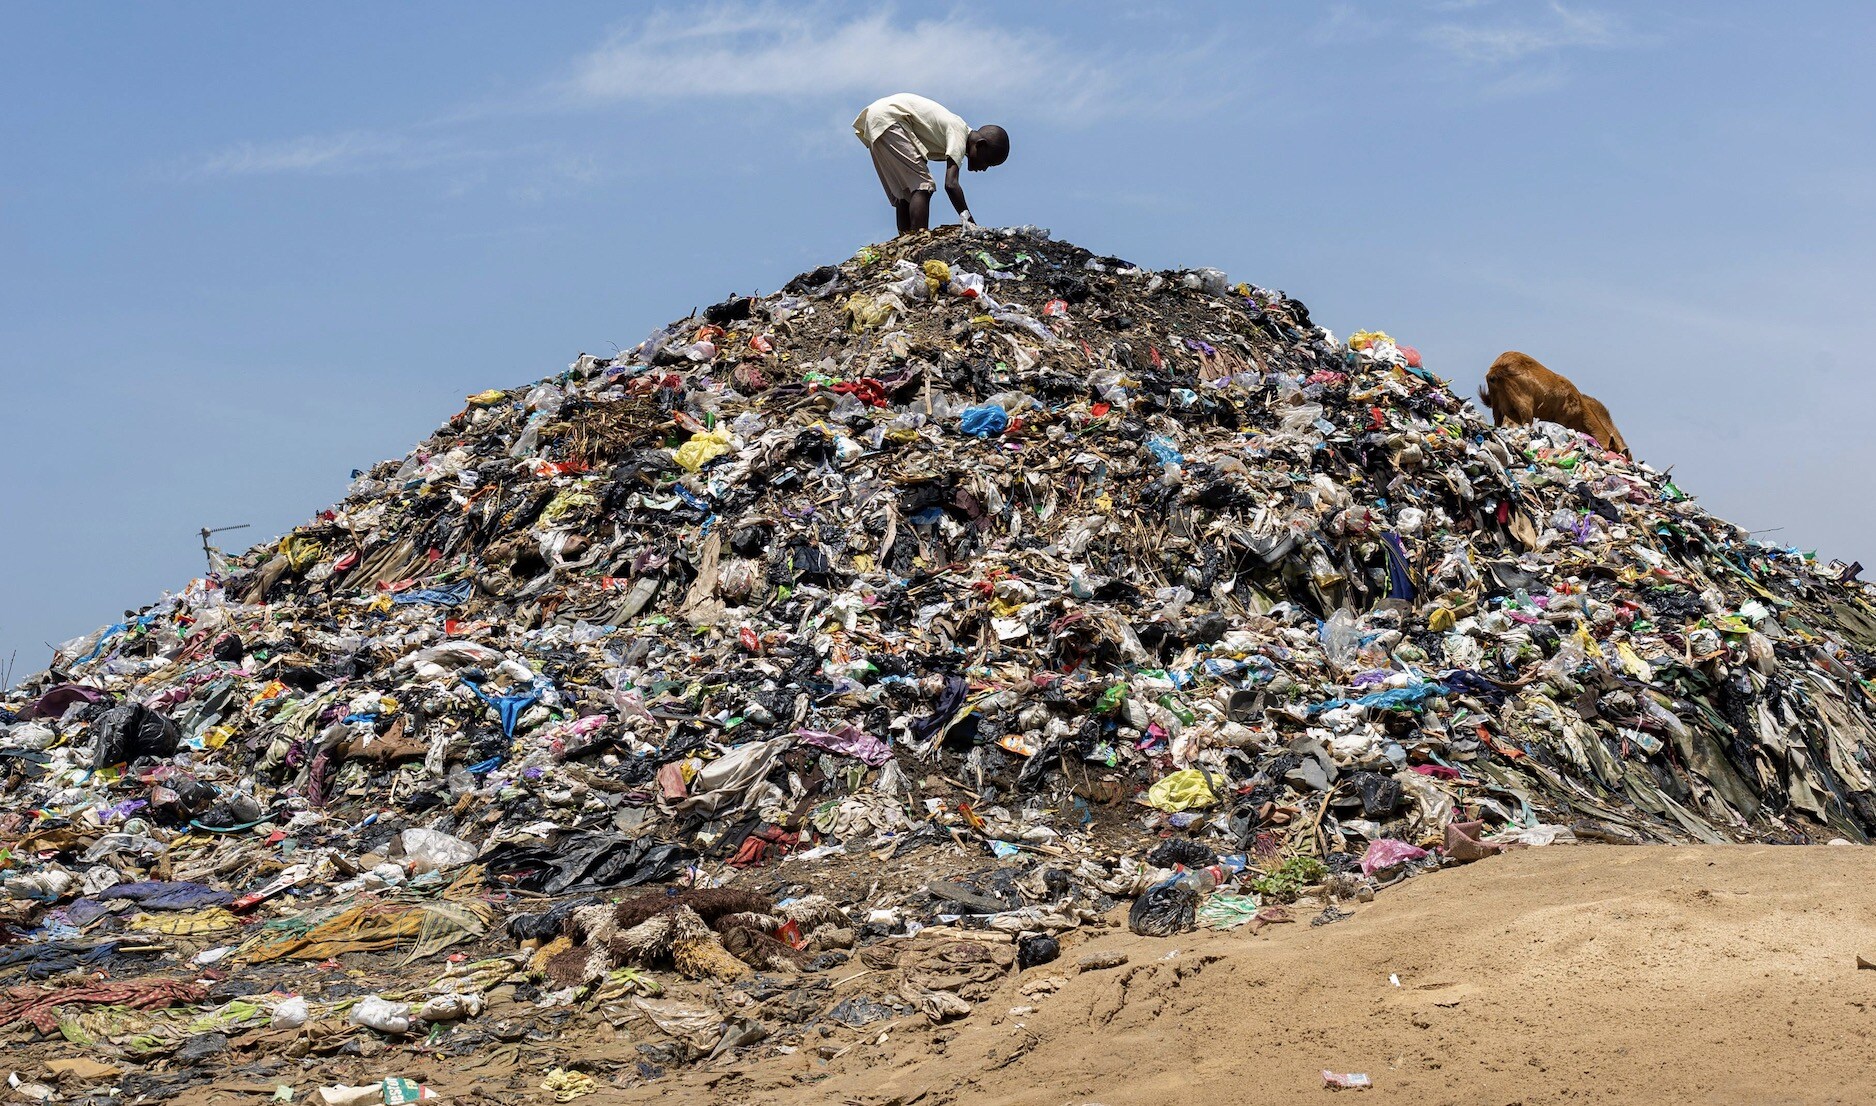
903	622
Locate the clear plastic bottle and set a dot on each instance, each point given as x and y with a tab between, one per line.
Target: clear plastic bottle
1207	879
1202	880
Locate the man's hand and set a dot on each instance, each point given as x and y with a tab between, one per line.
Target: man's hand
964	217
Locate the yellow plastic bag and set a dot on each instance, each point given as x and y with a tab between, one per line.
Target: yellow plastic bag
865	312
702	449
569	1085
1632	663
301	553
566	502
937	275
1181	790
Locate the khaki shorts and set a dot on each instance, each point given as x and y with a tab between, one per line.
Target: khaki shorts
902	169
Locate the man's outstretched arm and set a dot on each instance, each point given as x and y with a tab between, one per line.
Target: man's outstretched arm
954	191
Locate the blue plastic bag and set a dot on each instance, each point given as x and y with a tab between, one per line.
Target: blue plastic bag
985	421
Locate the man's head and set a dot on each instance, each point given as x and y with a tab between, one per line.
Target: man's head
986	146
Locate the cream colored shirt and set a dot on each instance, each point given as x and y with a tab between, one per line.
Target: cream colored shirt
939	133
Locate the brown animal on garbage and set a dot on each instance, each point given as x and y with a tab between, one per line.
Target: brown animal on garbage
1519	390
1602	427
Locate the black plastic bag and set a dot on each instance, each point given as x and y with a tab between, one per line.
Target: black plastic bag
1163	910
1181	850
1380	796
595	862
131	731
548	924
1037	949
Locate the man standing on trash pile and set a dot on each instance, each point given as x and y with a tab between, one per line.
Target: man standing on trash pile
905	131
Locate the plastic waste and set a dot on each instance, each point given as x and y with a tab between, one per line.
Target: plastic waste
399	1092
985	421
1212	282
546	398
1181	790
290	1013
376	1012
1203	880
427	850
1387	853
389	1092
450	1008
755	596
1037	949
1166	908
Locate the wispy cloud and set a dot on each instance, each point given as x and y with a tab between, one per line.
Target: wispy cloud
350	152
814	52
329	153
1555	28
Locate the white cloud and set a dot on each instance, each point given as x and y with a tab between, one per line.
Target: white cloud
813	56
1558	28
334	153
811	52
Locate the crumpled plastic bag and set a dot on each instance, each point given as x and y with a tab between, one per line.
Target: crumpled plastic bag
428	850
382	1015
1538	835
569	1085
1180	791
985	421
1387	853
1164	909
1227	911
937	276
699	1026
132	730
849	740
865	312
591	862
290	1013
702	449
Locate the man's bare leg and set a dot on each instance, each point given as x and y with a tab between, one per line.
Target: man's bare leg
902	209
920	210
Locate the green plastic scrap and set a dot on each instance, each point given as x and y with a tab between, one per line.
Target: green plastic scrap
1180	711
1228	911
235	1013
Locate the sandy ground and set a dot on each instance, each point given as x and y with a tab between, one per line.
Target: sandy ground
1561	975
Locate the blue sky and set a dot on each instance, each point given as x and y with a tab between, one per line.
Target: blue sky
247	248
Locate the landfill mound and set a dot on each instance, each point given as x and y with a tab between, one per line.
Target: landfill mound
893	627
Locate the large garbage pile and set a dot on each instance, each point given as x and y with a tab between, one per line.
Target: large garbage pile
895	625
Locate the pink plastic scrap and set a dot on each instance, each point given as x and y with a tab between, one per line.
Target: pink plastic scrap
1388	853
1351	1081
849	740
